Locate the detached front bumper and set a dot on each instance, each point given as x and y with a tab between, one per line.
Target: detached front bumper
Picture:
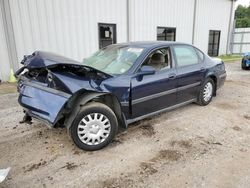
41	102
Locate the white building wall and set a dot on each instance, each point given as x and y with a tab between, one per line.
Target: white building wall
4	56
70	28
146	15
212	15
65	27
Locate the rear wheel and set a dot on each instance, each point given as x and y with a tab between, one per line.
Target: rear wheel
94	127
244	67
206	92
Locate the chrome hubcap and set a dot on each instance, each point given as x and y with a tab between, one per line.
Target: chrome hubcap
94	129
208	92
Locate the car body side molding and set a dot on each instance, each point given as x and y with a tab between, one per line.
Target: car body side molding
143	99
129	121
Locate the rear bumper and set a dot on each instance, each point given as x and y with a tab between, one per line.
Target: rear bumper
41	102
221	80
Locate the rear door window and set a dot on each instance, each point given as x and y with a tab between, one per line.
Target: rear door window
185	55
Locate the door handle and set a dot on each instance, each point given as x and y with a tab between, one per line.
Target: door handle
172	76
203	69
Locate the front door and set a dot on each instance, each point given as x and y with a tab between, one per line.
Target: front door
190	72
151	93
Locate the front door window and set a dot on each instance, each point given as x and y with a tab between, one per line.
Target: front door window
159	59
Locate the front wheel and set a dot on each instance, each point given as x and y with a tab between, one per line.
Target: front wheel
94	127
206	92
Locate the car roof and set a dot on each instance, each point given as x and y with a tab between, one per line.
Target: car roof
148	44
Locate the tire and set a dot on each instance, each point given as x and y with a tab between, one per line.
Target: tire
243	66
208	87
94	127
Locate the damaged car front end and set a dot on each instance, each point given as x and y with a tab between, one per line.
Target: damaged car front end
47	82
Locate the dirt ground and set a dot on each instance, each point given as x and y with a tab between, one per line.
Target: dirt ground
191	146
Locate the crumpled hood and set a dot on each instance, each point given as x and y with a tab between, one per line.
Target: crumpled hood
60	72
41	59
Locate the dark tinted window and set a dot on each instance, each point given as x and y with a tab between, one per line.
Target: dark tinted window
213	43
107	34
166	33
185	55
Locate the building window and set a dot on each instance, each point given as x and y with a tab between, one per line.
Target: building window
166	33
107	34
213	43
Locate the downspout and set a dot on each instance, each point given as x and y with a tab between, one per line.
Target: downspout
241	41
194	20
128	20
228	51
9	34
231	39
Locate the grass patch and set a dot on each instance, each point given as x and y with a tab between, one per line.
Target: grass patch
227	58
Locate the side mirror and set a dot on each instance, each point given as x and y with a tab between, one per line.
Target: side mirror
146	70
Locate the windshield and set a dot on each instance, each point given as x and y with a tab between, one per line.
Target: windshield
114	59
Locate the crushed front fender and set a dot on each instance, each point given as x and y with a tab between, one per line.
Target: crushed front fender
42	102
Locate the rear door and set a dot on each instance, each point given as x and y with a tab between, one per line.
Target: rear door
151	93
190	72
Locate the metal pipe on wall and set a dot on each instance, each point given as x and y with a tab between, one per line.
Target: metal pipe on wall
230	29
194	20
128	20
9	34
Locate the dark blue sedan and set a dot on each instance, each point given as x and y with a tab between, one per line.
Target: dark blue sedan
116	86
